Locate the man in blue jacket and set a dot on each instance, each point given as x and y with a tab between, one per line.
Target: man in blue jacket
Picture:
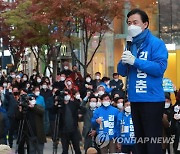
104	120
126	130
145	65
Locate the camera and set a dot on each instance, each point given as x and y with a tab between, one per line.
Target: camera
59	97
24	101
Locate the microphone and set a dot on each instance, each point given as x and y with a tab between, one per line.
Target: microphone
129	41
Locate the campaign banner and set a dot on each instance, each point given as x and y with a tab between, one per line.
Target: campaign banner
167	85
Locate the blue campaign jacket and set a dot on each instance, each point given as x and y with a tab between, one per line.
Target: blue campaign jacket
126	129
109	115
107	89
40	101
145	76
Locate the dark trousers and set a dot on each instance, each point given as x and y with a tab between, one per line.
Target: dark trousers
129	149
52	126
13	127
21	146
67	138
147	120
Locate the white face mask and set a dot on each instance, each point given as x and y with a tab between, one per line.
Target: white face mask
88	80
98	104
44	86
128	109
25	79
116	80
38	80
34	73
101	93
13	76
66	67
167	105
134	30
4	85
37	93
33	101
107	83
97	77
69	83
96	94
62	78
106	103
92	105
120	105
78	96
67	97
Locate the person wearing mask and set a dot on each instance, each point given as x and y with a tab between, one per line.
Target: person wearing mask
5	86
97	81
68	127
100	91
17	82
39	99
11	112
88	132
105	82
104	120
33	76
76	77
24	80
45	92
50	108
144	65
70	86
87	86
59	83
167	119
126	127
118	101
116	83
175	124
66	69
34	116
28	87
37	81
11	77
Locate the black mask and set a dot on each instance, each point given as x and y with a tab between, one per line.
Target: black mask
16	93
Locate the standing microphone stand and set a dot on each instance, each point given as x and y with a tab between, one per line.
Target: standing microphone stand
129	42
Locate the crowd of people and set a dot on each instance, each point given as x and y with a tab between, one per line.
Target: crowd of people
90	106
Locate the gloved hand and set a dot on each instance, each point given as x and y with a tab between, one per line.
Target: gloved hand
128	58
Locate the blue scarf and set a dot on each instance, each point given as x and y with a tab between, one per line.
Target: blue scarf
138	41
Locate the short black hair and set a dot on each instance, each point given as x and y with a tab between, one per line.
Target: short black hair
105	95
105	79
143	14
97	73
92	96
115	74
